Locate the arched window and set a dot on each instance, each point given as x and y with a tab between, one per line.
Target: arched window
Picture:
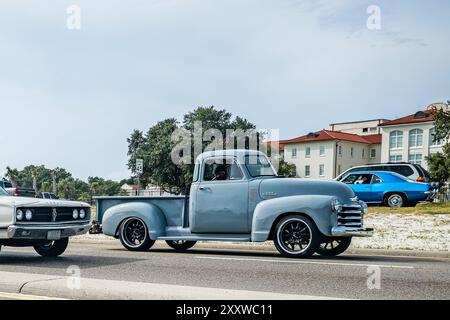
396	139
432	141
415	138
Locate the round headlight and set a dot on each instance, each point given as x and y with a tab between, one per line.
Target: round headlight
19	215
75	214
336	205
28	214
82	214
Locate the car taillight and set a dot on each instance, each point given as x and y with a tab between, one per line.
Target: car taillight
420	179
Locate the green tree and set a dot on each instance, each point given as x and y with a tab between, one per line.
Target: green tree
439	163
155	147
287	169
442	123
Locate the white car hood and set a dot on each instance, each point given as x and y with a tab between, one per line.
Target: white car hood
35	202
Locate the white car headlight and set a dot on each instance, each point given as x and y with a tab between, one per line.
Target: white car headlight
336	205
75	214
82	214
28	214
19	215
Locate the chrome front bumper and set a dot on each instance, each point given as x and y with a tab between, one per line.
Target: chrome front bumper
351	231
40	232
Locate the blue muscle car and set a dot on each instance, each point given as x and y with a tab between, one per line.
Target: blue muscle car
389	188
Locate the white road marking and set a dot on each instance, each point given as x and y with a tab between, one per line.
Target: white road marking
19	296
307	262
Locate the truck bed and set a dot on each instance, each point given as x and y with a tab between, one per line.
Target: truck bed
175	208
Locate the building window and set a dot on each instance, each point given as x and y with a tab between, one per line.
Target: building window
294	152
322	151
415	158
373	129
396	139
365	129
373	153
415	138
308	152
434	142
340	151
363	153
351	152
307	171
395	158
322	170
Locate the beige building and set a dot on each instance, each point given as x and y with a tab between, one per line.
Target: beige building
326	153
410	138
362	128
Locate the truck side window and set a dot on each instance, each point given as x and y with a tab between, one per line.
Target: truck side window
221	169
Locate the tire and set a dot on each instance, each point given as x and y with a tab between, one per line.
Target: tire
330	247
395	200
296	231
51	248
134	235
181	245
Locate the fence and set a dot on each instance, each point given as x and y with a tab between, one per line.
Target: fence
444	193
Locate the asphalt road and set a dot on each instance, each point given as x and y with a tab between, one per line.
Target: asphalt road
345	276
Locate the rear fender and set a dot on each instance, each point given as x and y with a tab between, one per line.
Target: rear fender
316	207
152	216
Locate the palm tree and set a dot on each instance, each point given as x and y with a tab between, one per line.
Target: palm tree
13	175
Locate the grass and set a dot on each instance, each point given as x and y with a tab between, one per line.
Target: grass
421	208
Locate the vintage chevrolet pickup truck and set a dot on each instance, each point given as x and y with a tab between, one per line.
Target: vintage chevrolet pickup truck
44	224
237	196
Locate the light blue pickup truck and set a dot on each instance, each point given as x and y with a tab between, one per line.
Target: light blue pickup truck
236	195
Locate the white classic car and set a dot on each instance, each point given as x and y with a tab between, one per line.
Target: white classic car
43	224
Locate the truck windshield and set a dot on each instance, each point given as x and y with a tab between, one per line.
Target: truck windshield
258	165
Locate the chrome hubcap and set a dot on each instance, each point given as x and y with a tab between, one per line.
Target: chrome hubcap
395	201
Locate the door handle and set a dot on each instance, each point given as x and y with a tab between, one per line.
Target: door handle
204	188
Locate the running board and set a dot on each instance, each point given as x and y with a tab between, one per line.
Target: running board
209	237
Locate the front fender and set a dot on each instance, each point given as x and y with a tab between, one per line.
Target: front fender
316	207
152	216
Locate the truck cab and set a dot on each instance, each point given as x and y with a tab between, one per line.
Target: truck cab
236	195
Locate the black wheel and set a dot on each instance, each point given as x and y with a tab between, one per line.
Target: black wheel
296	236
333	246
134	235
395	200
51	248
181	245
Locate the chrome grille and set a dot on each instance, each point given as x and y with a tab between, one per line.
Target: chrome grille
350	216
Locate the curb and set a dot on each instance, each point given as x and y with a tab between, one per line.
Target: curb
99	289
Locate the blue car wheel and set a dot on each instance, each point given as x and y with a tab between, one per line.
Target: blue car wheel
395	200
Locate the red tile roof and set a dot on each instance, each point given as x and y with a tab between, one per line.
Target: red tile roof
325	135
280	144
421	116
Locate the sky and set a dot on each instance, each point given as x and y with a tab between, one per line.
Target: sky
71	97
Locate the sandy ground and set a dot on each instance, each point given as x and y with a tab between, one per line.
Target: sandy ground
423	232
